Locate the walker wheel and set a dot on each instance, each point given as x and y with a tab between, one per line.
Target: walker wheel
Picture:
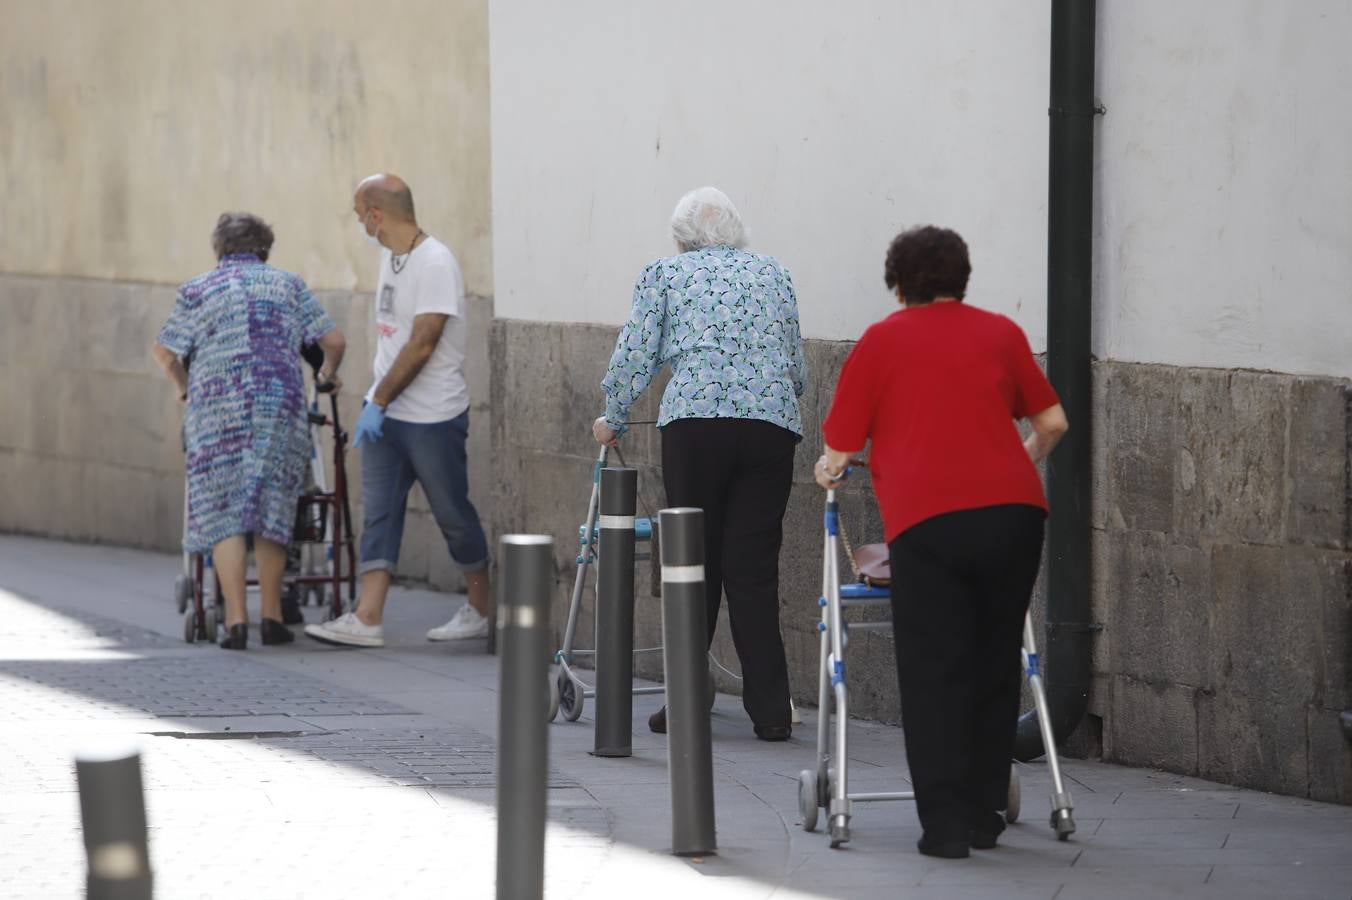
570	699
183	591
554	692
1015	799
807	799
209	624
190	626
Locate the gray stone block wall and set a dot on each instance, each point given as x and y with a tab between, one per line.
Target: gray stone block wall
1223	575
90	445
1222	562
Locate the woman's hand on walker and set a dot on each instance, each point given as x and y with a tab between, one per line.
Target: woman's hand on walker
827	477
604	434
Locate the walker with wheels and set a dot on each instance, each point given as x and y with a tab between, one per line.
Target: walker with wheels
323	526
568	691
827	786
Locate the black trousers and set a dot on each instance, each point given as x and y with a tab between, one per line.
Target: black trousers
961	583
739	472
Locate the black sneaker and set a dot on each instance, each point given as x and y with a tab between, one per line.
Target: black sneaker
944	849
985	835
774	733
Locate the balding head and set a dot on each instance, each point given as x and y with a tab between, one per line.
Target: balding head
387	193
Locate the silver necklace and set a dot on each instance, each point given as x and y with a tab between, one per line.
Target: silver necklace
397	263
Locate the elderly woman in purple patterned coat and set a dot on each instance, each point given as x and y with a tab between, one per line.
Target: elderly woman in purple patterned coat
725	319
242	325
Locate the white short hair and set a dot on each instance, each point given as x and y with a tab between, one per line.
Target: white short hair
705	217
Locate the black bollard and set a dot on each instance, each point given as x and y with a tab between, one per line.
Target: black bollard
685	645
526	573
615	614
113	813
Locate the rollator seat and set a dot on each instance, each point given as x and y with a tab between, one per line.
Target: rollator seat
643	531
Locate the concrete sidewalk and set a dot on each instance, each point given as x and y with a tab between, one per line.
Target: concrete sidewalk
312	771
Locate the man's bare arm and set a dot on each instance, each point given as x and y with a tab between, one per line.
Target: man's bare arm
427	329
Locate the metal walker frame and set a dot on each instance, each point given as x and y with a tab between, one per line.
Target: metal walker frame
568	691
827	786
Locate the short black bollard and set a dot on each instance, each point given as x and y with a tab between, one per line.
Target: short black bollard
526	572
113	813
685	645
615	614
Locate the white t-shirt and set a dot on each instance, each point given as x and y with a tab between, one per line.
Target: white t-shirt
429	282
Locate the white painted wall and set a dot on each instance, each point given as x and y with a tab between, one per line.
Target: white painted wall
831	125
1225	184
1224	216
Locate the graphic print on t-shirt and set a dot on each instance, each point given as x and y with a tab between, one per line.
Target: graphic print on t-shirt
385	321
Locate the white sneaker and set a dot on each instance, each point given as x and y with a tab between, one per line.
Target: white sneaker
349	630
466	623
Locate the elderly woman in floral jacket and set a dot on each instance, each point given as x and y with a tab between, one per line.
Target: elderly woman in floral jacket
726	320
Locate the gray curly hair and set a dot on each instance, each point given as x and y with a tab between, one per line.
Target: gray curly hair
705	217
241	232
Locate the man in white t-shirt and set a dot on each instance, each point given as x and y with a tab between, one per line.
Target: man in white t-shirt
415	420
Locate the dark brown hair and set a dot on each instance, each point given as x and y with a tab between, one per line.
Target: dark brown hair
927	262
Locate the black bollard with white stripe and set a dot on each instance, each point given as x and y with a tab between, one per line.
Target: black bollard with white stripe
525	576
685	645
615	614
113	813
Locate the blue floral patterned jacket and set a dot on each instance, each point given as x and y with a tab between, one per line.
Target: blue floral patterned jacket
727	322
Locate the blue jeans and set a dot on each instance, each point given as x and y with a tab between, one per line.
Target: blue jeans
432	454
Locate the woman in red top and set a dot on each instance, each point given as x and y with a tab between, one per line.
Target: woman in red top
935	389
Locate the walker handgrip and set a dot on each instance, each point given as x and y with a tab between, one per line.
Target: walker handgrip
327	387
850	465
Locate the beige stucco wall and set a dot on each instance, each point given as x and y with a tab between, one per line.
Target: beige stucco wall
127	126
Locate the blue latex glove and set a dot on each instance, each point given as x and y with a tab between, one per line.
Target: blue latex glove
370	424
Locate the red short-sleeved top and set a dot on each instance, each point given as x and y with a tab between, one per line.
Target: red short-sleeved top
936	389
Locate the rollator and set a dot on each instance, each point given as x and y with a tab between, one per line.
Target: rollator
827	787
567	689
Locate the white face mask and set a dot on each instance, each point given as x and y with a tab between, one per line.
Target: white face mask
361	226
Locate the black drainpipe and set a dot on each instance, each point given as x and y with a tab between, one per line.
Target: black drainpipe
1070	206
